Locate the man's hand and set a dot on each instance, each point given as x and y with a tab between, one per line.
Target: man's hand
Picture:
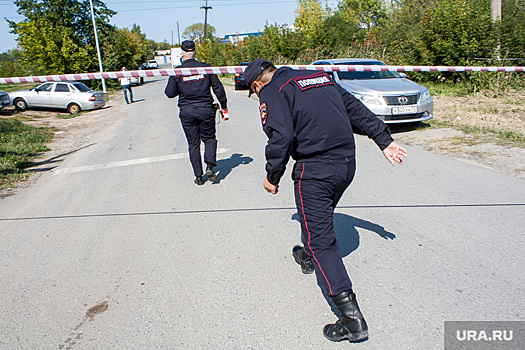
269	187
395	153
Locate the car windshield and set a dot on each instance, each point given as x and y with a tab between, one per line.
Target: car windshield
366	75
81	87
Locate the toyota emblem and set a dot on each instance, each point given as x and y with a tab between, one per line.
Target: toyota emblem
403	100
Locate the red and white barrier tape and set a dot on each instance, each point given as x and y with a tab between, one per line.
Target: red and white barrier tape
240	69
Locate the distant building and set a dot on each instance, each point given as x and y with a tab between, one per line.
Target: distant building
234	38
163	52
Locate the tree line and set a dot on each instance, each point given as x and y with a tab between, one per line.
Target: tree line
57	37
398	32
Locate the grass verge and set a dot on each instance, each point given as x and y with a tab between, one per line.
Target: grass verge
484	134
19	142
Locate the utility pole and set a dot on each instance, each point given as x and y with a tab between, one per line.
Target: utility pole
98	47
178	32
172	38
206	8
496	10
496	16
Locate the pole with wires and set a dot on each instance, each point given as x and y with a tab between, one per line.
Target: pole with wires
98	47
206	8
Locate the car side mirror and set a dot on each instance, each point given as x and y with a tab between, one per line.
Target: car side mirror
403	75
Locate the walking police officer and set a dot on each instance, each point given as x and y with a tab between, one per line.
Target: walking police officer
310	118
197	113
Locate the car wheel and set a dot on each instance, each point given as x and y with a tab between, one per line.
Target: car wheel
73	108
237	86
20	104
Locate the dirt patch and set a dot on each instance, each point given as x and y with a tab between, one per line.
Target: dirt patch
71	133
487	117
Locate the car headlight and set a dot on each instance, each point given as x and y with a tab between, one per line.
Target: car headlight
367	99
425	95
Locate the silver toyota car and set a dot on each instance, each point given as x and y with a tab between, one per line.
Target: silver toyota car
390	95
72	96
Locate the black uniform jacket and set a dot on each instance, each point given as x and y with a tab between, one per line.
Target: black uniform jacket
306	115
194	90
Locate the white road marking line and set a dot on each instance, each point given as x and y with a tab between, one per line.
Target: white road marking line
128	162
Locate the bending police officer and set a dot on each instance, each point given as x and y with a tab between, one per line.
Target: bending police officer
310	118
197	113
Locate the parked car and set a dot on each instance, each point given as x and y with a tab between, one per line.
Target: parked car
4	99
72	96
240	84
390	95
151	64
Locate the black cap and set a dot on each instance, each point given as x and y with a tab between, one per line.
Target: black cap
188	46
254	69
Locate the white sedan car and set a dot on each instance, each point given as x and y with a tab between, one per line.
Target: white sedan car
72	96
390	95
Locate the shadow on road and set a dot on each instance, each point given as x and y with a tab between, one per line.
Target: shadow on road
348	239
52	162
405	127
225	166
346	234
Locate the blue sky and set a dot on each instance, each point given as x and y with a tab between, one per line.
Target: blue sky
158	18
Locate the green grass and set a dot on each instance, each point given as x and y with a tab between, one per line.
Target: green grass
18	144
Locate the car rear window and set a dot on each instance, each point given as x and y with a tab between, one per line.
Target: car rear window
81	87
61	88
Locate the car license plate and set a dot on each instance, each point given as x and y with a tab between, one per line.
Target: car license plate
404	110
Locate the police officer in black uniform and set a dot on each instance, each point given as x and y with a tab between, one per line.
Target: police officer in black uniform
197	113
310	118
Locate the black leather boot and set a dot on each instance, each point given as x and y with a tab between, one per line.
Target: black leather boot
302	258
211	174
199	180
351	325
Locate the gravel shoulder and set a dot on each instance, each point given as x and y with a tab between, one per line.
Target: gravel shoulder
495	114
504	114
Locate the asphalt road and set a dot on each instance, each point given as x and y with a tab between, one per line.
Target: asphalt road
117	248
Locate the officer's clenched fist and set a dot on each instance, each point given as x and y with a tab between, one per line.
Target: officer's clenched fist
273	189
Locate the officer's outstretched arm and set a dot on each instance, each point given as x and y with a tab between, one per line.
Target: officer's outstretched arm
364	121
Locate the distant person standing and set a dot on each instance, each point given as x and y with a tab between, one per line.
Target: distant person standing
197	113
126	86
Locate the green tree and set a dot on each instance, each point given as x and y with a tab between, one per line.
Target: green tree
127	48
310	17
57	31
455	32
512	29
401	33
364	13
195	32
11	64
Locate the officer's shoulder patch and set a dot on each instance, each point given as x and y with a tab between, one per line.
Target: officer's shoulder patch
264	112
312	81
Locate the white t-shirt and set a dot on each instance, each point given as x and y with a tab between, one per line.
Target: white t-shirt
125	81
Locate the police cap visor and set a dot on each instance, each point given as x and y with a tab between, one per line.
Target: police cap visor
253	70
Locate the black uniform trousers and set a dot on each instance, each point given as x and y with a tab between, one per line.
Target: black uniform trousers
319	184
199	125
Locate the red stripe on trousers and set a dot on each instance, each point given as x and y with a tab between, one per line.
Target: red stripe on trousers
309	236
